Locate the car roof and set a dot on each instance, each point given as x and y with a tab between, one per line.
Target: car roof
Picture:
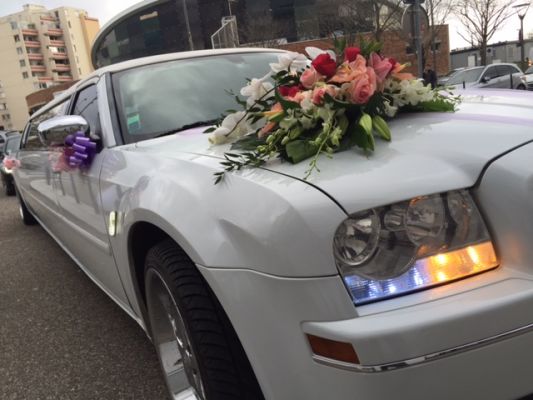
138	62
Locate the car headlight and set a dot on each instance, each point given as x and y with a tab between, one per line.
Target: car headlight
412	245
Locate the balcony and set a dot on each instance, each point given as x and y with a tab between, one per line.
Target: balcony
61	67
57	43
35	56
32	43
63	78
55	31
59	56
48	18
44	78
38	68
30	32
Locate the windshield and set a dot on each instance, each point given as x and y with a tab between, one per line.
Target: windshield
12	145
468	76
158	98
529	70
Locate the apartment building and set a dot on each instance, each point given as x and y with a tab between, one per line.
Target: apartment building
40	48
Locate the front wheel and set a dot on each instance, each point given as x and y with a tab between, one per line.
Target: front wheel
198	349
521	87
25	214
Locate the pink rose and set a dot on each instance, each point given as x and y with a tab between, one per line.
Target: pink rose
363	88
320	92
310	77
382	66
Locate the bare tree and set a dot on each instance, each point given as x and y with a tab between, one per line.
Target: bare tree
481	19
386	15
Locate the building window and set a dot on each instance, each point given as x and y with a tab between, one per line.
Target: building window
31	26
19	50
13	25
69	25
25	75
74	47
22	63
79	69
17	38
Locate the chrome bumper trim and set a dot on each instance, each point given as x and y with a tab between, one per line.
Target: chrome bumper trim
425	358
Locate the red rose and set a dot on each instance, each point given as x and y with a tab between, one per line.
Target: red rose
288	91
351	53
325	65
393	62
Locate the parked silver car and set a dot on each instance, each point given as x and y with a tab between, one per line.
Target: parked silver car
500	76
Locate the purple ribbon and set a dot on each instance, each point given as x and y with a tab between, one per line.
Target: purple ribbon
81	150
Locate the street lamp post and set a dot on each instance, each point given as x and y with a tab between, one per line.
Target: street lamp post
520	7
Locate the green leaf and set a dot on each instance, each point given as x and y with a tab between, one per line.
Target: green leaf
247	143
366	123
299	150
381	127
209	130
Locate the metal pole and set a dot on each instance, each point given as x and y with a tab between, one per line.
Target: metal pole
418	42
229	6
522	50
188	26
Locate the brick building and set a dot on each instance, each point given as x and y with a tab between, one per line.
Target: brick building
394	45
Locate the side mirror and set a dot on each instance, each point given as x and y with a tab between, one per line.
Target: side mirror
62	125
485	79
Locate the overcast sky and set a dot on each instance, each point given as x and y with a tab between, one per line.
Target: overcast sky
104	10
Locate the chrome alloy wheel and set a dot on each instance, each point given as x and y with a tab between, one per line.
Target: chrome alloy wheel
172	342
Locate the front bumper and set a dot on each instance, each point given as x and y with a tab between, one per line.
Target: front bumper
469	339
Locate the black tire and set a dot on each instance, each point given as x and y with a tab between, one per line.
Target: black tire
226	373
521	87
25	214
10	188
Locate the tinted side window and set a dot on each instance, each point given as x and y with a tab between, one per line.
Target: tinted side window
504	70
86	105
491	73
32	139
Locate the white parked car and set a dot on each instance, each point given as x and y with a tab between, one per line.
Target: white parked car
493	76
528	78
407	274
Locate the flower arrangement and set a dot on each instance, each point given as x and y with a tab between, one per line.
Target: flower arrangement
339	101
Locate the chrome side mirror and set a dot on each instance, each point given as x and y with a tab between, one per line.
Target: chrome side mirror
63	125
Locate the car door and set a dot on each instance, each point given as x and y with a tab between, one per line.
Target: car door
78	192
505	76
34	176
489	79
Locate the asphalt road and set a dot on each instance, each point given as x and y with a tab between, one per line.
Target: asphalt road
61	337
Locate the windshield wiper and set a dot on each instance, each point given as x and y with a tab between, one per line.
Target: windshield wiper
185	127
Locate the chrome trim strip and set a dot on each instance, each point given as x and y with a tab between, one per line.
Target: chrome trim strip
422	359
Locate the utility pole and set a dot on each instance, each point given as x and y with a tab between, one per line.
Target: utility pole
418	41
525	7
187	24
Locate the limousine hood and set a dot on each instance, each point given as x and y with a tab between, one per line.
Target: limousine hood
429	152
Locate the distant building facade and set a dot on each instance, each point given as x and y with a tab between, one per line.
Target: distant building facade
161	26
40	48
508	52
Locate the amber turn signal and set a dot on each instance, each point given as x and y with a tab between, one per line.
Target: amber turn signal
339	351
